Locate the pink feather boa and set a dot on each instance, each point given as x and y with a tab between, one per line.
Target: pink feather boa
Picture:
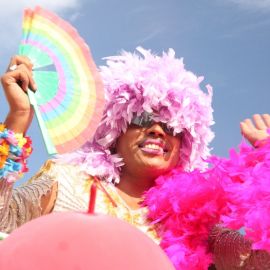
245	178
234	192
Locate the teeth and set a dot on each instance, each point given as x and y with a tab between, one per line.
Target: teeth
152	146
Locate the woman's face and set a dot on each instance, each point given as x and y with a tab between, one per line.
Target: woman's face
148	151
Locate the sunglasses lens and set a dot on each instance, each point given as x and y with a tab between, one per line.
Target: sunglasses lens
145	120
167	129
136	121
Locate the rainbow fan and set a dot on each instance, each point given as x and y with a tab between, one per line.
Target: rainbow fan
70	98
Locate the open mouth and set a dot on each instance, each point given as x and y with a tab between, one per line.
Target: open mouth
153	146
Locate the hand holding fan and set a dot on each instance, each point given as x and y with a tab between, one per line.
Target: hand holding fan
69	101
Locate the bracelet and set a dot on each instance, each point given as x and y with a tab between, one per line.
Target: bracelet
14	150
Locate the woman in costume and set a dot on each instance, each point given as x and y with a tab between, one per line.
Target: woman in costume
156	119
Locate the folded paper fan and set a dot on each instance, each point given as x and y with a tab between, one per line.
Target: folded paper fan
69	101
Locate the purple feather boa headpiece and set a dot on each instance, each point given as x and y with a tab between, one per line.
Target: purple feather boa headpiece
156	84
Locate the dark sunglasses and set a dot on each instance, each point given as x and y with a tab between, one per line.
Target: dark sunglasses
146	120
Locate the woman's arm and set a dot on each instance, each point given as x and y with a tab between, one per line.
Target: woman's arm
28	201
15	82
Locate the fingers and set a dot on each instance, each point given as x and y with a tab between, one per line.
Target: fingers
20	69
245	128
266	118
258	121
256	129
18	60
248	124
261	121
24	77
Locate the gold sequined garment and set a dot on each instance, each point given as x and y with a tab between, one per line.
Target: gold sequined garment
72	195
231	251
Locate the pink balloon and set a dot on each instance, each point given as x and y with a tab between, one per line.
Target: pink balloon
75	241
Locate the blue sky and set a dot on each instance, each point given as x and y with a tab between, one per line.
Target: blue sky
226	41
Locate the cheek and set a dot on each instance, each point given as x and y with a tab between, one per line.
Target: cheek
121	148
175	155
125	143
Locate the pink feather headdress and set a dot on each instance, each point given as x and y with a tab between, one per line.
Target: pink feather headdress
159	85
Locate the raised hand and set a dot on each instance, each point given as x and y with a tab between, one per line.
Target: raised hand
255	129
17	79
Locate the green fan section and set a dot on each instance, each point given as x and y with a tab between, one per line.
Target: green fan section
37	56
47	82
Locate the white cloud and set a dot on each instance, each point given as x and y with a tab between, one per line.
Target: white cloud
11	18
152	19
240	29
151	33
259	9
255	5
9	8
74	16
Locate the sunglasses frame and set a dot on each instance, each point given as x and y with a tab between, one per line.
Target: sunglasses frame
146	120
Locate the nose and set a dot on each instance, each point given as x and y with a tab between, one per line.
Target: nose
155	130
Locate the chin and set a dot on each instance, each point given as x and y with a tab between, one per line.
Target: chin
155	170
